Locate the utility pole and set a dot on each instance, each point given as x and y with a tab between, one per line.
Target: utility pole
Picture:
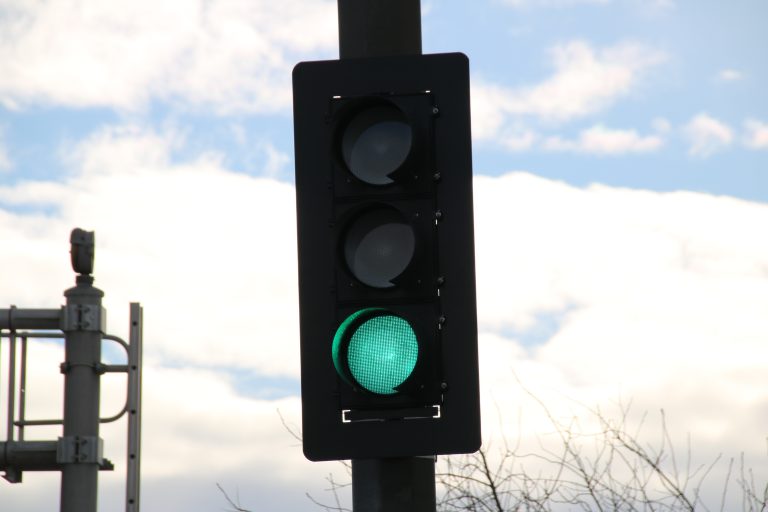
387	306
83	328
78	453
378	28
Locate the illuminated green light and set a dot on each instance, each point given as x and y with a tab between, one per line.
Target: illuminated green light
381	351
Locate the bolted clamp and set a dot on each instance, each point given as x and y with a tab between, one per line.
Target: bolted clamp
83	317
80	450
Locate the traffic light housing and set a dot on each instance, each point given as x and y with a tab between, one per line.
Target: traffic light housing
386	257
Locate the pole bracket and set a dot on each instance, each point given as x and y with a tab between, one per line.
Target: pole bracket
83	317
80	450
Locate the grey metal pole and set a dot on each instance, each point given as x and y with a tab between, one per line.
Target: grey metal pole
378	28
388	485
133	481
80	448
15	318
29	455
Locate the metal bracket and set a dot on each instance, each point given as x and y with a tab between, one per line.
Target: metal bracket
83	317
80	450
409	413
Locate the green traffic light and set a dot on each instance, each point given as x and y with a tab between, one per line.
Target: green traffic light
381	350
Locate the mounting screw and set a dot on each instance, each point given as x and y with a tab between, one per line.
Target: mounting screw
440	281
435	110
438	214
436	176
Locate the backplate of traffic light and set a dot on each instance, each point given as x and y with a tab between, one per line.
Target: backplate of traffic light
386	257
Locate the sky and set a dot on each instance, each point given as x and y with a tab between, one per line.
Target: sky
620	181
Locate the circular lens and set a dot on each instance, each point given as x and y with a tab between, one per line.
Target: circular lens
375	143
378	247
382	350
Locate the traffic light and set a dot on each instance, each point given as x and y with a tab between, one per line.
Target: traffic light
386	257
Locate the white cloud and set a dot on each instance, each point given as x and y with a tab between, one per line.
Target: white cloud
661	4
756	134
657	297
276	161
661	125
518	139
605	141
488	109
579	246
230	55
653	4
707	135
191	242
186	412
165	227
585	81
5	160
730	75
552	3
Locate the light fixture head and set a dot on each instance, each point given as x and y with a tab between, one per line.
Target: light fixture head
82	250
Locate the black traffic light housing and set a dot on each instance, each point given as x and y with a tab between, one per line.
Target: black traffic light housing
386	257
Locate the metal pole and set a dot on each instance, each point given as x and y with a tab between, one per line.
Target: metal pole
14	318
377	28
29	455
389	485
133	479
11	384
23	387
80	446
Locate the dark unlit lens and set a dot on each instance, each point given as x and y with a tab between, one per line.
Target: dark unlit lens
378	247
375	143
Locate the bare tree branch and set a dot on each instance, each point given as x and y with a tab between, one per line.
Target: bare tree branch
605	467
235	504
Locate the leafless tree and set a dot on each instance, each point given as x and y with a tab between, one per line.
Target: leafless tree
609	469
606	469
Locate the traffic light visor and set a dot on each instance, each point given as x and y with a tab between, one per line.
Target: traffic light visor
378	246
375	143
375	349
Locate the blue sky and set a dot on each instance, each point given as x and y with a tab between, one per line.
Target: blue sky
621	175
701	59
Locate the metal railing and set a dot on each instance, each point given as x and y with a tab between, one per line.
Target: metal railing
18	455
